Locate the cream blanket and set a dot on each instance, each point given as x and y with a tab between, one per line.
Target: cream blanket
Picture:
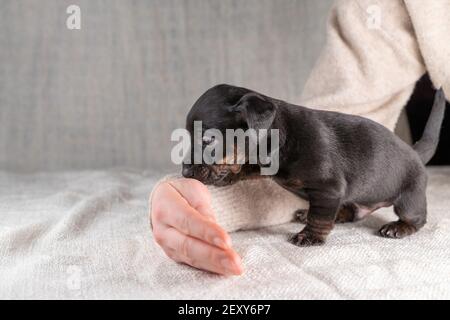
85	235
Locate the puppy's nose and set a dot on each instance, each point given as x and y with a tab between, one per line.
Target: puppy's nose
187	172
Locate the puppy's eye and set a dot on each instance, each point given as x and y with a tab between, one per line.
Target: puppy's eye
208	140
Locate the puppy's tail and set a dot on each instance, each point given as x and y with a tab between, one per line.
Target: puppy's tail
426	146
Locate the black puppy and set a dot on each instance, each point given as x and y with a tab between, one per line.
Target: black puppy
346	166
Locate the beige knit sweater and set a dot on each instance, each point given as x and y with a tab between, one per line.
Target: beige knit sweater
375	52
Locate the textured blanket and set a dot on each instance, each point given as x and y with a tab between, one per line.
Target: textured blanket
86	235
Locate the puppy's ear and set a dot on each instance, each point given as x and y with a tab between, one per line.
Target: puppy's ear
256	111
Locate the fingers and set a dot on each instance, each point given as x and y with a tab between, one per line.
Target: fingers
201	255
176	212
188	221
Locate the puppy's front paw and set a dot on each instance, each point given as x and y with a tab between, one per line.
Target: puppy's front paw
397	230
306	239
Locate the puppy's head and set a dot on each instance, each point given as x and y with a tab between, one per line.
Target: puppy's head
220	108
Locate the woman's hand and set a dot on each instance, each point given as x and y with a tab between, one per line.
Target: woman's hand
185	228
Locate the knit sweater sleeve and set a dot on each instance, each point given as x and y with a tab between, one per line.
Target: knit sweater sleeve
368	67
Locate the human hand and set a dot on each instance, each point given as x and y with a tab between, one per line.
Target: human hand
185	228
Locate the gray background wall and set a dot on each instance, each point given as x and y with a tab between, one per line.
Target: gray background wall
111	93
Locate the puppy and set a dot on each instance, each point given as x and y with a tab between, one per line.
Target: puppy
346	166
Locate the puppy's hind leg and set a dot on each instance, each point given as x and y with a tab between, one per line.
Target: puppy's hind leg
411	208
